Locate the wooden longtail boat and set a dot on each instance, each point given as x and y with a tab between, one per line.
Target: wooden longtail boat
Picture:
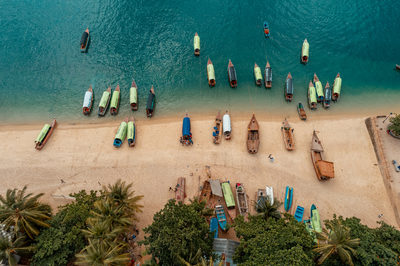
114	107
84	41
324	169
257	75
301	111
196	44
253	136
229	199
131	132
315	220
318	87
241	199
269	194
288	198
217	129
298	215
305	52
121	133
221	216
226	125
287	134
88	101
266	29
232	75
133	97
328	96
104	102
44	135
205	191
186	138
180	187
268	76
312	96
337	86
214	227
151	103
210	73
289	89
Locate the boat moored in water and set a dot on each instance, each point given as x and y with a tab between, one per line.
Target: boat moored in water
323	169
397	67
319	89
88	101
226	125
301	111
84	41
289	89
133	97
266	29
268	76
131	132
288	136
312	96
151	102
253	136
104	101
196	44
210	73
337	86
121	133
257	74
232	75
114	107
328	96
44	135
217	132
305	49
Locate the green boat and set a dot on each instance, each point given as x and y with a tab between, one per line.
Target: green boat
121	134
44	135
115	101
319	89
131	135
337	86
229	199
315	220
104	102
133	99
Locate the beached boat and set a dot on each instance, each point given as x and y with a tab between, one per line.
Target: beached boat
253	135
337	86
104	102
44	135
324	169
84	41
114	106
196	44
241	199
328	96
131	132
221	216
269	193
121	134
257	75
217	129
396	165
319	89
397	67
226	125
305	49
88	101
289	89
180	187
232	75
315	220
151	103
288	136
266	29
301	111
312	96
229	199
288	198
186	138
298	215
210	73
133	97
205	193
214	227
268	76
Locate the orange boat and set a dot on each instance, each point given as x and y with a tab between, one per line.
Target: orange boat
325	170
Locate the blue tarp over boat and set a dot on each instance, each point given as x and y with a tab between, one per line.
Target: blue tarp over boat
186	127
214	226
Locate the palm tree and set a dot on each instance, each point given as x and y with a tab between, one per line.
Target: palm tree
335	239
10	249
100	231
23	212
264	207
202	261
102	253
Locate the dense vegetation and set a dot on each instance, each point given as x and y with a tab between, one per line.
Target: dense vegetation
395	125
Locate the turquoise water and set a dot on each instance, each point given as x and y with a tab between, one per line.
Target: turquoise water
43	74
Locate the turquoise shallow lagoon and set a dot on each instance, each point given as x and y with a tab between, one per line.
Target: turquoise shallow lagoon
43	74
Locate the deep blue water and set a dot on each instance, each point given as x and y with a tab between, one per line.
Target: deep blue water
43	74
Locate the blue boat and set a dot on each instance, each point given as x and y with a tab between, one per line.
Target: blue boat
221	216
214	226
299	213
186	138
266	29
288	198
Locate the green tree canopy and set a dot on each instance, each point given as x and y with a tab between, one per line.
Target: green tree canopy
395	125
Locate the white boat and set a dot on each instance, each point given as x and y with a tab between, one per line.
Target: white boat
226	126
269	192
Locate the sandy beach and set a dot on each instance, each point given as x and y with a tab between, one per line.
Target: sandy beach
80	156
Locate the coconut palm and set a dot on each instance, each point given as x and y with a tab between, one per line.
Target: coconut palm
335	239
264	207
105	211
202	261
23	212
102	253
100	231
9	249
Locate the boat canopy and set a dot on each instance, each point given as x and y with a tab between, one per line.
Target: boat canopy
268	74
131	130
196	42
315	220
84	38
114	99
312	94
42	133
257	73
228	195
150	102
226	123
337	86
104	99
328	94
289	86
133	95
320	91
305	49
88	99
216	188
232	73
210	72
121	133
186	127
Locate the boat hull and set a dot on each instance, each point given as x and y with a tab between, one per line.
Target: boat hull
103	110
288	198
40	145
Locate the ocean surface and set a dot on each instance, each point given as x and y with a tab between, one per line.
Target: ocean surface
44	75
